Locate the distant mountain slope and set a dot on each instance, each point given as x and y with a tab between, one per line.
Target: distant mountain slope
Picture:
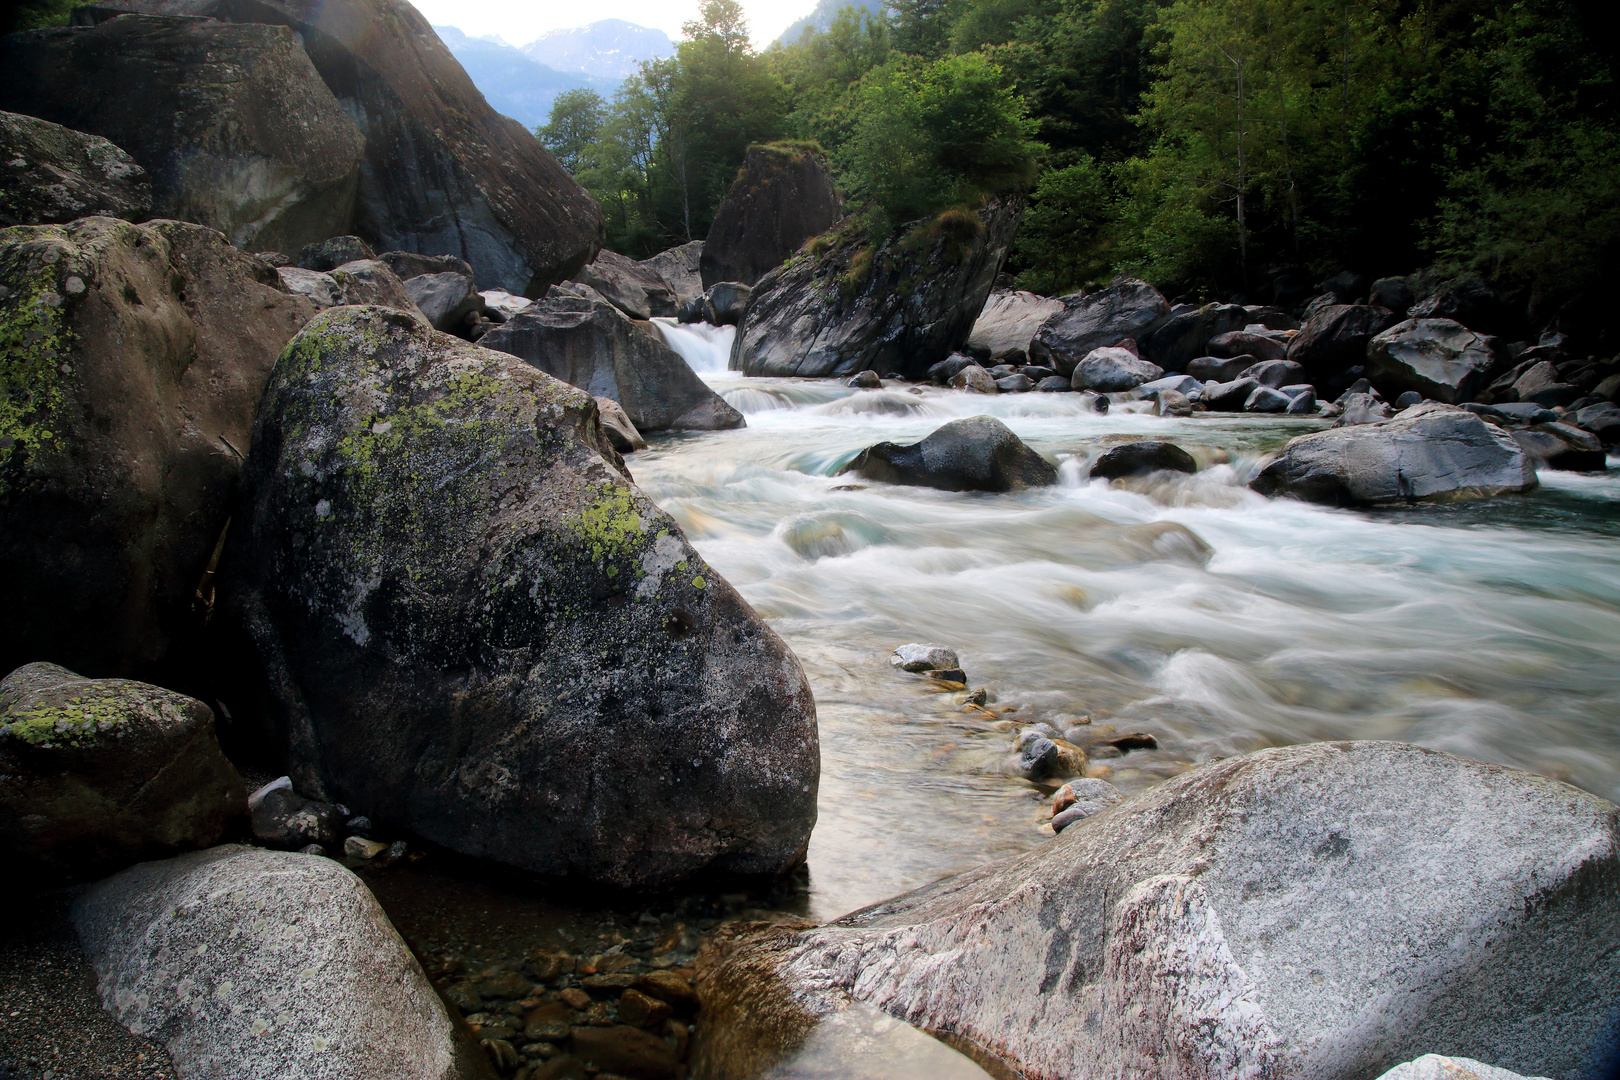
824	14
513	83
609	49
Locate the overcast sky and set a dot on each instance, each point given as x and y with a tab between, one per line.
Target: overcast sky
521	21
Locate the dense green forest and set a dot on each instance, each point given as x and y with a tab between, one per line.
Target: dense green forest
1215	147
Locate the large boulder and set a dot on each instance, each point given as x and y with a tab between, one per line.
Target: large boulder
634	289
97	774
1436	1067
901	307
1440	359
783	195
979	453
251	143
1126	309
1336	338
1185	336
449	300
473	626
1427	451
55	175
366	281
443	172
575	335
265	964
1320	912
132	358
1112	371
1009	320
677	267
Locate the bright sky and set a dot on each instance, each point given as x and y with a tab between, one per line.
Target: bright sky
521	21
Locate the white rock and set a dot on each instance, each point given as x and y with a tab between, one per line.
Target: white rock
504	302
915	657
261	965
1435	1067
1009	320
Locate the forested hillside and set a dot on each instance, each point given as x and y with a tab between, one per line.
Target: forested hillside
1215	147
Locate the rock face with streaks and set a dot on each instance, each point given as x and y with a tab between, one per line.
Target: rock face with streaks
901	307
1101	320
783	195
1320	912
632	287
267	964
1440	359
979	453
96	774
1427	451
575	335
132	358
251	142
472	625
1009	320
54	174
677	268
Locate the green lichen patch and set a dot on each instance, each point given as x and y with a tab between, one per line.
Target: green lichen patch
611	528
36	347
76	721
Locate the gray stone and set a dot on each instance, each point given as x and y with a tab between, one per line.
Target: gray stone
448	300
1436	1067
1518	413
1320	912
1439	359
574	335
1301	398
1393	293
725	303
974	379
1263	399
1362	409
1261	346
261	965
365	282
333	252
96	774
1218	370
1187	335
1112	370
1560	446
942	372
917	657
1541	385
782	196
1138	458
1080	799
1601	420
1169	402
429	529
1428	451
284	819
979	453
1015	384
634	289
1185	385
1009	320
1053	384
1229	396
617	426
1408	399
52	174
1126	309
502	305
251	142
678	268
1336	338
1274	373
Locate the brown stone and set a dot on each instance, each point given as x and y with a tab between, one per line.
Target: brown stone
575	998
670	987
549	1023
506	985
625	1051
639	1010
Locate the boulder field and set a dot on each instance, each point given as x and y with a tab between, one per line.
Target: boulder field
463	607
1325	912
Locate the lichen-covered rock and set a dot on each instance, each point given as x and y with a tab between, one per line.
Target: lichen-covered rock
901	307
96	774
1440	359
979	453
634	289
132	358
1126	309
1319	912
783	195
261	965
1008	322
1424	452
443	171
251	142
473	626
573	334
52	174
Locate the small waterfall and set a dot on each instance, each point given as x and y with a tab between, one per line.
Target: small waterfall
705	347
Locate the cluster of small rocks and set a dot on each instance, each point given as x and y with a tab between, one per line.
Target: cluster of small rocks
286	820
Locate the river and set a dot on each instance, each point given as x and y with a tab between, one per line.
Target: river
1488	629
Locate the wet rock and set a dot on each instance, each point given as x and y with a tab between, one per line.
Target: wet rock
726	302
637	291
1263	399
282	818
331	253
1037	757
1171	403
1126	309
942	372
1602	421
625	1051
865	380
464	996
1014	384
1541	385
443	500
1440	359
1235	343
1426	452
1217	370
1362	409
563	1068
1081	798
1140	458
575	998
1336	338
54	175
670	987
1376	870
678	268
503	985
979	453
252	142
917	657
1009	321
902	306
1435	1067
1053	384
1187	335
1274	373
639	1010
1229	396
1112	370
141	354
952	677
1560	446
974	379
574	335
1301	399
549	1022
617	427
96	774
782	196
252	963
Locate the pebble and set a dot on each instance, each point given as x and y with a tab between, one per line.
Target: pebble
918	657
549	1023
575	998
639	1010
667	986
358	847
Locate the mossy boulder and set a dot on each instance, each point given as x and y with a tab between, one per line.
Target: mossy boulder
783	195
132	358
234	127
474	626
54	174
97	774
842	305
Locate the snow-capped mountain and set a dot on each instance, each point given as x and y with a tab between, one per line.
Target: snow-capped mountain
609	49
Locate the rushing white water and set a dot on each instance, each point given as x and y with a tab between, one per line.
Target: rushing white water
1488	629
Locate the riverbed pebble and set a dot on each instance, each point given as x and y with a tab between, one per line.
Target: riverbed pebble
919	657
